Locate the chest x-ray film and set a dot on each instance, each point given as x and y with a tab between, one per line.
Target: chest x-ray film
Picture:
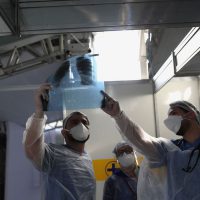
75	85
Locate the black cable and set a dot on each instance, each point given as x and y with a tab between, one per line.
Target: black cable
189	169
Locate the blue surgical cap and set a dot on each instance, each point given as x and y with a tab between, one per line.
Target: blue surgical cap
119	145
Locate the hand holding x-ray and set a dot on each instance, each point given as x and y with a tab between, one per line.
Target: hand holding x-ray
109	105
42	97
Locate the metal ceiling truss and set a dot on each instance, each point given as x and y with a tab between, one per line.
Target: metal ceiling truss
27	53
9	13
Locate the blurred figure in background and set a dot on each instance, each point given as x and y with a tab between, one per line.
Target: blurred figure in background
122	184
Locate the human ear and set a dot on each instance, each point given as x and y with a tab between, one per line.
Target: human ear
64	132
190	115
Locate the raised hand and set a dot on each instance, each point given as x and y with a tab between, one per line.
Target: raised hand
40	95
109	105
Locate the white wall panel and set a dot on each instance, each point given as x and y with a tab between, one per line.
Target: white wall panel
22	179
136	100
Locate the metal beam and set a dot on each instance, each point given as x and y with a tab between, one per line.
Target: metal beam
29	63
33	51
22	42
164	74
182	60
61	40
11	58
90	15
7	20
188	48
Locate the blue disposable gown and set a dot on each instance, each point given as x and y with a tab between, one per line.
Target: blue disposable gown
68	175
120	187
161	174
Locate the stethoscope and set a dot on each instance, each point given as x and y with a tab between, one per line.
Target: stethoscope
189	167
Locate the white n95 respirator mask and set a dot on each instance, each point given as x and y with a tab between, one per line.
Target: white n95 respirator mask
126	160
173	123
79	132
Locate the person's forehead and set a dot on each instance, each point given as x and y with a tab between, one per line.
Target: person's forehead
175	110
124	148
77	116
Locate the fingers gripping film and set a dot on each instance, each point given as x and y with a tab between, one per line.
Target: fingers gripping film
109	105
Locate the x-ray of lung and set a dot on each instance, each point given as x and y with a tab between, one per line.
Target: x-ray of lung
75	85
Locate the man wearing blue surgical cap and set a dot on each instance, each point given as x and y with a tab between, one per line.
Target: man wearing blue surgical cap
122	184
67	168
171	168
